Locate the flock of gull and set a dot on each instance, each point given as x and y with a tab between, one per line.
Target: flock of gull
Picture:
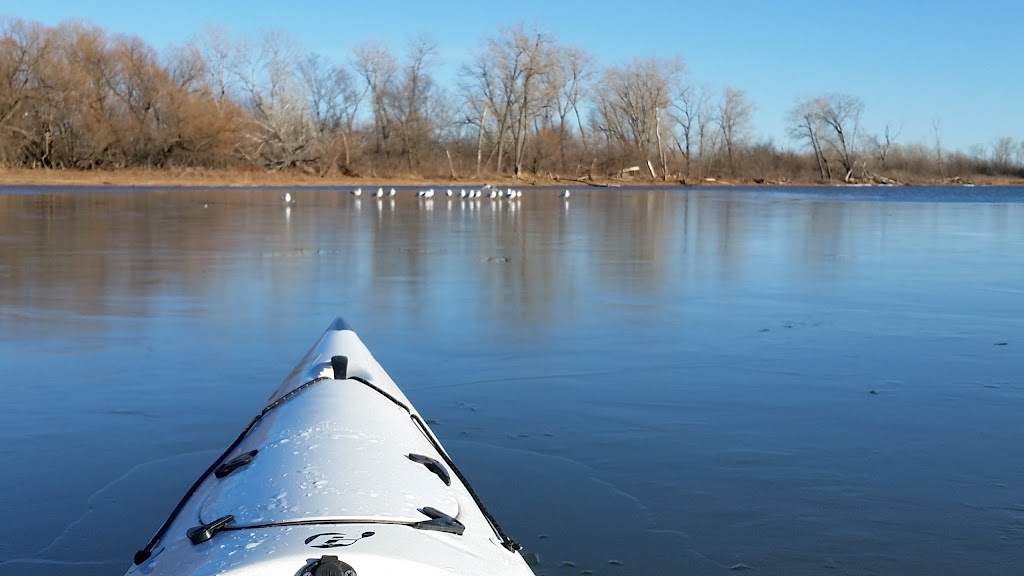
487	191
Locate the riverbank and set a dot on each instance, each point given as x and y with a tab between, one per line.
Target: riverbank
252	178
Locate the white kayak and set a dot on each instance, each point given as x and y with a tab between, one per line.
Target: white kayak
337	476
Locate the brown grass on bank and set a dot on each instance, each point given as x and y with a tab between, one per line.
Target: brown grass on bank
246	178
137	177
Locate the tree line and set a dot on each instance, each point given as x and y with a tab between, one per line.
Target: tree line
75	97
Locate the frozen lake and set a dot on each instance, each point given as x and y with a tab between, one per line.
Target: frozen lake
641	382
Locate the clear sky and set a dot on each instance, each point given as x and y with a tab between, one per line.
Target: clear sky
915	64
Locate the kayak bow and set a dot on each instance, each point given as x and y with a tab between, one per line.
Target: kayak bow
338	474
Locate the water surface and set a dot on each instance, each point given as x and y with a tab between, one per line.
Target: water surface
797	381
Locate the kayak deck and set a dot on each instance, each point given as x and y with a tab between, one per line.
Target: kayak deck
338	463
338	452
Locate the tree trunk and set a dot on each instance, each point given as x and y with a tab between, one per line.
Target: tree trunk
579	122
480	140
819	157
661	149
520	141
502	127
451	167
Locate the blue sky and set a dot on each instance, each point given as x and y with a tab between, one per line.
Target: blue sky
915	64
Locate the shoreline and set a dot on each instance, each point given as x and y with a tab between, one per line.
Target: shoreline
236	178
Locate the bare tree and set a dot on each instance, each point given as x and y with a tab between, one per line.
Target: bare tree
806	125
280	130
829	124
734	117
203	69
1002	153
187	67
378	68
514	75
883	145
333	101
410	101
978	152
138	88
940	160
634	104
708	138
22	45
691	111
445	124
841	114
529	64
219	53
574	75
79	113
474	116
480	89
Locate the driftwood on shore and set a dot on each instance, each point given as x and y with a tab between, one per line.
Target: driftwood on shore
873	178
595	184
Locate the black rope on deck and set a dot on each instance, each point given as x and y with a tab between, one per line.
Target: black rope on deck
144	554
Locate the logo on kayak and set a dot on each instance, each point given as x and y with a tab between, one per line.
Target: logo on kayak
334	539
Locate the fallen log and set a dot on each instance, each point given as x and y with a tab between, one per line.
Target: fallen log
594	184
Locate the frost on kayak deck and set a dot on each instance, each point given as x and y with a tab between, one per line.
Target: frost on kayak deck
338	470
348	460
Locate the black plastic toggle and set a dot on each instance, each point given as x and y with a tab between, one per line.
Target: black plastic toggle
434	466
141	556
204	532
234	464
329	566
340	365
440	521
